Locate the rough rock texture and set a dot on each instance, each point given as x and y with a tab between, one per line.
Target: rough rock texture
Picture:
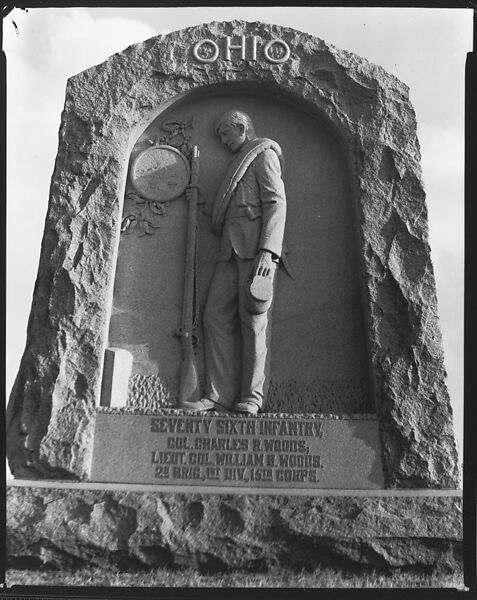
52	405
63	528
321	397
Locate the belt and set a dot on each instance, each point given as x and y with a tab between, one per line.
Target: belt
251	212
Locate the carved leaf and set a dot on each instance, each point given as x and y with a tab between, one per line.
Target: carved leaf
186	148
128	224
133	197
157	208
148	228
171	126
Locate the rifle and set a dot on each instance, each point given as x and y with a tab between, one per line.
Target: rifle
189	376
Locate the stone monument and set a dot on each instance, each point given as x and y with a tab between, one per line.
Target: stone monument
353	450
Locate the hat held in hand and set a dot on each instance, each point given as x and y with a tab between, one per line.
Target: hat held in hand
260	292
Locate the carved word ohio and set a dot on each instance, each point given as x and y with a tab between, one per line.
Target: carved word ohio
207	51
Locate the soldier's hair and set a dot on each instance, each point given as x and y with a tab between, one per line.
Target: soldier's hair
235	117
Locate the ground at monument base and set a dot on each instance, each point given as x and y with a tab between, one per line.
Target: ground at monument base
321	577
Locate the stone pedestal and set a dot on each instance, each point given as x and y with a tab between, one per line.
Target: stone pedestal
68	525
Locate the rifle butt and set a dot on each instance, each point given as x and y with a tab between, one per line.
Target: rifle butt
189	381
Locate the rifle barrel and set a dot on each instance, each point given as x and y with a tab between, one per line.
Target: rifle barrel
189	383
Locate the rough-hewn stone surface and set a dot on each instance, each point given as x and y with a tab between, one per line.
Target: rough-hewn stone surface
52	406
319	397
72	528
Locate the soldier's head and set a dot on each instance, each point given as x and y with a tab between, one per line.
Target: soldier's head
234	129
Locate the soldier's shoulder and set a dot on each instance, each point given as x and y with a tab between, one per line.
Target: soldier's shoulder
267	156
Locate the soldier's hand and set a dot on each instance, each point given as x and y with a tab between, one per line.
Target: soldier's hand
189	192
263	264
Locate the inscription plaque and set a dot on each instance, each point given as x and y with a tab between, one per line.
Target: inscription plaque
264	451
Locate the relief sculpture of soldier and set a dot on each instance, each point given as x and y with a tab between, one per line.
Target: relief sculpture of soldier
249	214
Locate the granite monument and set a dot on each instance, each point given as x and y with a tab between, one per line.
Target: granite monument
336	428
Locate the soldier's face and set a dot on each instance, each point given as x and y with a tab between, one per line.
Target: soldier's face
232	137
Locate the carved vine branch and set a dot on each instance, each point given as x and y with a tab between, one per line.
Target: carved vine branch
141	215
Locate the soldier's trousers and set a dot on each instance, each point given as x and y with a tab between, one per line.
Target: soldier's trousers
226	321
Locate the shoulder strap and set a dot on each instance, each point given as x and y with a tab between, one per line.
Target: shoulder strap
235	173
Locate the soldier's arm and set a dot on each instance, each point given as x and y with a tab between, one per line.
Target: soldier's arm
273	201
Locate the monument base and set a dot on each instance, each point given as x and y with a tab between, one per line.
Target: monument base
73	525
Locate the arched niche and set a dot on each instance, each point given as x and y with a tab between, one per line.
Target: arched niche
319	352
